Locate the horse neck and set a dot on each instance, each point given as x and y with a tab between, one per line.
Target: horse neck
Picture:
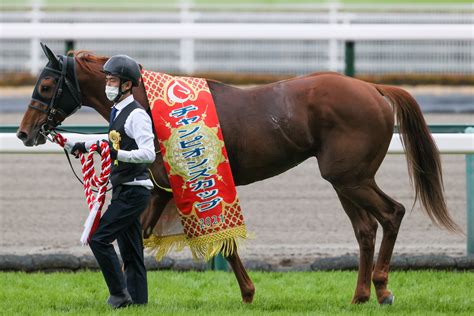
92	86
93	91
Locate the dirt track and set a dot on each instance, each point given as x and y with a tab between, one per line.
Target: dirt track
295	217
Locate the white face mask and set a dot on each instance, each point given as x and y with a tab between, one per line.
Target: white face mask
111	92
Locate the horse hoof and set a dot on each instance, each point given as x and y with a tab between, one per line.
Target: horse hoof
388	300
248	299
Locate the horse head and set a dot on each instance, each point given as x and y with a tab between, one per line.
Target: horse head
56	96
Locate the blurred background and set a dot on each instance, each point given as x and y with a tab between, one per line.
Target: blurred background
404	58
437	70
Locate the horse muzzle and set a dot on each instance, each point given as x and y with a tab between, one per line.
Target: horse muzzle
32	138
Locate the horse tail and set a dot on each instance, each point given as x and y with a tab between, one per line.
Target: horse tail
423	158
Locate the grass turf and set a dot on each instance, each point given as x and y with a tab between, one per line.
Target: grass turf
217	293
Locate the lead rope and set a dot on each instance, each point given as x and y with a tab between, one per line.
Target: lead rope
95	202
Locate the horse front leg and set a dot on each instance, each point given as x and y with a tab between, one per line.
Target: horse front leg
158	201
159	197
247	288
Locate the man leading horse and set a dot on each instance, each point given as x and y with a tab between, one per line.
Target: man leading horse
131	150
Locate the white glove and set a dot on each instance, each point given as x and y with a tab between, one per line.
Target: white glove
68	146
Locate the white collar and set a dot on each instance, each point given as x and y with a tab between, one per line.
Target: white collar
119	106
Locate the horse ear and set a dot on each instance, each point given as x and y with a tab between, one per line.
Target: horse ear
51	57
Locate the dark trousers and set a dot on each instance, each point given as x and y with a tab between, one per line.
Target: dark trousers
121	222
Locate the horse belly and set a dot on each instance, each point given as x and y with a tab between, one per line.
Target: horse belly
269	151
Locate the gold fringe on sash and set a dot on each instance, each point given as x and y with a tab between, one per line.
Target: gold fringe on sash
202	247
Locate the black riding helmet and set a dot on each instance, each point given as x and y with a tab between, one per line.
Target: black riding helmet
124	67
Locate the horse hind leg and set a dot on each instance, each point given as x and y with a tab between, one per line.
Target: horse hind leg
389	214
365	229
247	288
390	219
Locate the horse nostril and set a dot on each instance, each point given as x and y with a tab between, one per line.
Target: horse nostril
22	135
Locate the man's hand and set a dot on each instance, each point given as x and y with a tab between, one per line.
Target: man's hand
113	152
79	147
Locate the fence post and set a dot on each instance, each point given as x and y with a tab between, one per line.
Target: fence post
69	45
349	50
470	198
186	54
333	15
35	41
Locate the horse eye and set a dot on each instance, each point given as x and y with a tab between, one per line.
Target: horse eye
44	88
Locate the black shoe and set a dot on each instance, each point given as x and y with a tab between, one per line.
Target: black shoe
120	300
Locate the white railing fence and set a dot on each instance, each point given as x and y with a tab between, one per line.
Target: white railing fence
447	143
264	55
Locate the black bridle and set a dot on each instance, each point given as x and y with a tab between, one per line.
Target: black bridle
67	95
66	99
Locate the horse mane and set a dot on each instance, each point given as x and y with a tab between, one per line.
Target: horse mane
88	60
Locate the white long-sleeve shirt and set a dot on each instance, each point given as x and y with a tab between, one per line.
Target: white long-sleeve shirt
137	126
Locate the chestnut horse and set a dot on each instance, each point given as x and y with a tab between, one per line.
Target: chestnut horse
347	124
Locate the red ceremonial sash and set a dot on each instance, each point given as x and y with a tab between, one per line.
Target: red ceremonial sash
196	161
